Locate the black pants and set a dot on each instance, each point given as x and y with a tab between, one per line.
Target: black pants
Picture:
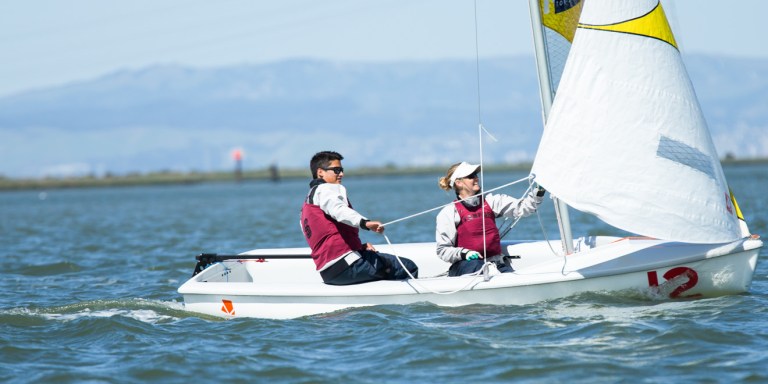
465	267
374	266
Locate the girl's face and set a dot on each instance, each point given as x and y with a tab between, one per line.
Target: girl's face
468	186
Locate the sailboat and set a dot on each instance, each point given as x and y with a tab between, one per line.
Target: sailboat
624	140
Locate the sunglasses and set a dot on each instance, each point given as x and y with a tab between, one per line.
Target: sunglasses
336	170
470	176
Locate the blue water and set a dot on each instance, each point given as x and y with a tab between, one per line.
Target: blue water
89	279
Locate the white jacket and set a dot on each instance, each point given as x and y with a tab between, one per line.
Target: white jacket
501	205
332	199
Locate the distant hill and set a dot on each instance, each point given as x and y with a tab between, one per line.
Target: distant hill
409	113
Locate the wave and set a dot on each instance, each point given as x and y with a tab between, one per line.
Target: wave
143	310
52	269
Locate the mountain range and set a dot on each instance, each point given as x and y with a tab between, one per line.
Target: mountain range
170	117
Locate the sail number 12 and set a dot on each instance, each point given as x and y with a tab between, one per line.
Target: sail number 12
681	278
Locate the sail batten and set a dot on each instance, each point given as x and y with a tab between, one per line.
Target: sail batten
626	139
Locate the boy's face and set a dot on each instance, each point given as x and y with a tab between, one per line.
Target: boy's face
329	173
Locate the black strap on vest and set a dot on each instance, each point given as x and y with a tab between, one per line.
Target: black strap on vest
311	195
312	187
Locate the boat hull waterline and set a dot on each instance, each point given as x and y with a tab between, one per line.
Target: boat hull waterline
657	269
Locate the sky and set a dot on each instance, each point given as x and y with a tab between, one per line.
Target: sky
46	43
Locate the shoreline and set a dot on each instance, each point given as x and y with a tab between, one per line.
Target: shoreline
180	178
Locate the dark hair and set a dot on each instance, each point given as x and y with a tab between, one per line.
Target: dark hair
322	160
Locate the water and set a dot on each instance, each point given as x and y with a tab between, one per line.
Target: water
89	295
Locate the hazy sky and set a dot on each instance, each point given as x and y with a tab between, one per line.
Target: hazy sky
51	42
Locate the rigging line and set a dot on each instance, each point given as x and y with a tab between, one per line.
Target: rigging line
482	198
487	132
484	270
475	275
444	205
512	225
544	233
414	280
477	67
480	130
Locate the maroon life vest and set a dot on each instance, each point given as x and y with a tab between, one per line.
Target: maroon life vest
469	231
327	237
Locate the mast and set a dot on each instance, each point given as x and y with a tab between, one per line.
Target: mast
547	95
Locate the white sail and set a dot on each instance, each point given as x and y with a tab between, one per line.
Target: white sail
626	139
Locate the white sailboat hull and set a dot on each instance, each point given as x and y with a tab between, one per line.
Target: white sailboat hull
290	288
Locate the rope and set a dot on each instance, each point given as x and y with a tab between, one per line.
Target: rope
477	69
414	280
464	199
480	130
544	233
504	232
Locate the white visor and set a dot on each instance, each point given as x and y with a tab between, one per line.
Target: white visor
463	170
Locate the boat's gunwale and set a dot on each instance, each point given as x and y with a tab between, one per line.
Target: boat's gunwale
499	281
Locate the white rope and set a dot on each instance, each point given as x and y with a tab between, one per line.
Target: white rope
504	232
444	205
475	274
414	281
544	233
480	130
482	180
477	69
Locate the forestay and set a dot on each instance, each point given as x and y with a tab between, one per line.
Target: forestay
626	139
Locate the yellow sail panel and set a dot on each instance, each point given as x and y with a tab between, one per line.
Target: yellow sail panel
561	16
735	205
653	24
